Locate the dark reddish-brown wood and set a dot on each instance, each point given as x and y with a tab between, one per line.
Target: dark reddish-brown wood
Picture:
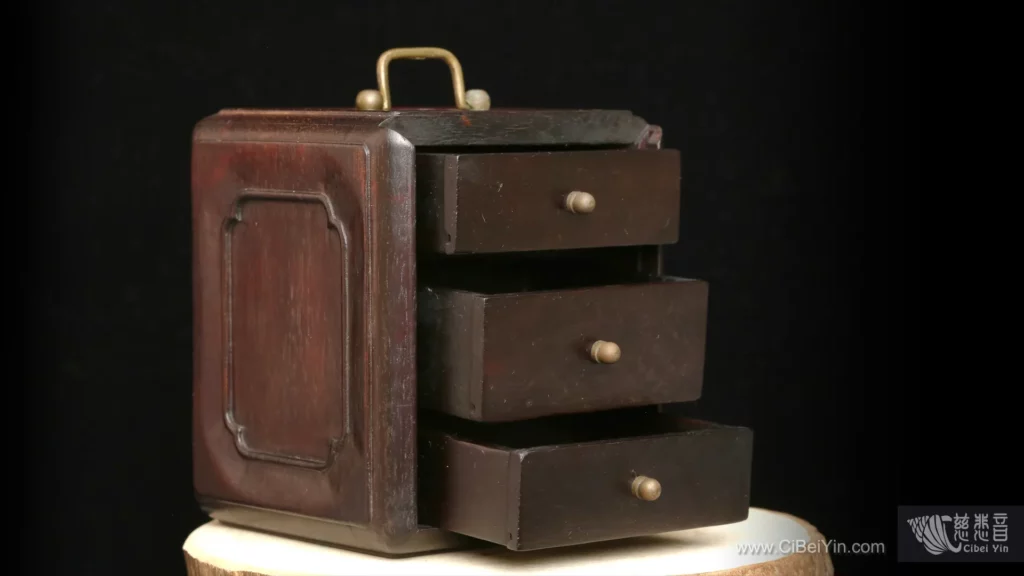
513	356
317	371
575	488
305	357
335	532
514	202
447	128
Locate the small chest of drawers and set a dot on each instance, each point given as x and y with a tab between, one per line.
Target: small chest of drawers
421	329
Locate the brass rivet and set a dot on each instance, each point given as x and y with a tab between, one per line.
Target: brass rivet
605	352
478	99
369	100
580	202
646	488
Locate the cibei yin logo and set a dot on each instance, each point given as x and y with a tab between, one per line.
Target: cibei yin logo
931	532
958	534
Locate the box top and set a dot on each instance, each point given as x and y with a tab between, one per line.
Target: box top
448	127
469	123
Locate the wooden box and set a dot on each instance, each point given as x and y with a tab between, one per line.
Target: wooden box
429	328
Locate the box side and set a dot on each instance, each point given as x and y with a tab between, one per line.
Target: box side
304	319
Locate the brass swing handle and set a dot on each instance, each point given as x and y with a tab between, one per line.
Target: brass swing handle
380	99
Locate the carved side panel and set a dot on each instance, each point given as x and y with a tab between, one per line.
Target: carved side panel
288	328
304	294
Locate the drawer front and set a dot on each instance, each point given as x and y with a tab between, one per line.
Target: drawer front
549	496
524	355
513	202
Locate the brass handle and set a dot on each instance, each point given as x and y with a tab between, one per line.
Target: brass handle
380	99
645	488
605	352
579	202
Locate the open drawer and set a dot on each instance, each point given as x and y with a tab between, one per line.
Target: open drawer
556	482
520	201
496	357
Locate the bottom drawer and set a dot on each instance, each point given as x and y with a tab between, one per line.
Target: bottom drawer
561	481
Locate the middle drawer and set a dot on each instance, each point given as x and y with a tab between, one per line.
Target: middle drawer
519	355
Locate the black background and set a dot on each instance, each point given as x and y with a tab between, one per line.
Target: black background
798	127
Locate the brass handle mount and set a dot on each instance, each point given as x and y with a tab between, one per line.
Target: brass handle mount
380	99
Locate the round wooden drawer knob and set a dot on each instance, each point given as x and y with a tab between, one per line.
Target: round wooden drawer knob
605	352
646	488
580	202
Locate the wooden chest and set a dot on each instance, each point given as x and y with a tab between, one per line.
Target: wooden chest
428	328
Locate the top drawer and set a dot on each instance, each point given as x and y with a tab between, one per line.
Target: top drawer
514	202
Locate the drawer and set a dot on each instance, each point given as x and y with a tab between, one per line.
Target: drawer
495	488
512	356
514	202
